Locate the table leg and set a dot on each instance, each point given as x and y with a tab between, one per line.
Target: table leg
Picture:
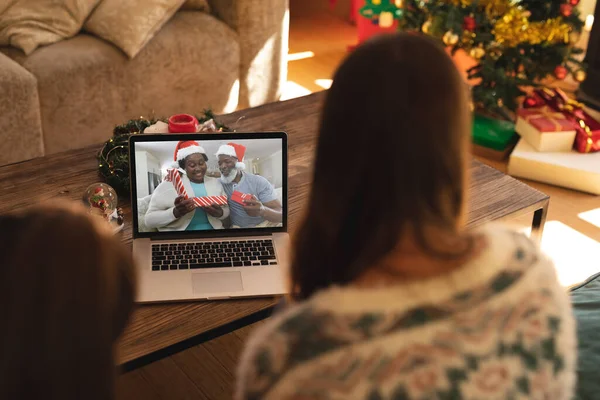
539	220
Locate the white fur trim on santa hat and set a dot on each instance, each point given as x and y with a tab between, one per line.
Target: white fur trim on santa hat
226	150
187	151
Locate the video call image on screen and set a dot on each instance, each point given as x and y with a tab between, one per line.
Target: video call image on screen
199	185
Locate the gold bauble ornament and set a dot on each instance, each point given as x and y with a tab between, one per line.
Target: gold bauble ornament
579	75
399	3
500	102
477	53
426	26
450	38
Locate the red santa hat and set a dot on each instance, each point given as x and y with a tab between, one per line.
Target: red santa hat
185	148
234	150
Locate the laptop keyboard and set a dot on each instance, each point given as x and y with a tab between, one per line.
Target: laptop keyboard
231	253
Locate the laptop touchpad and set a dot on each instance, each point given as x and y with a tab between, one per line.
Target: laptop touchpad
213	282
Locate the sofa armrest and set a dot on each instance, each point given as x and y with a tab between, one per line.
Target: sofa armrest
262	26
20	121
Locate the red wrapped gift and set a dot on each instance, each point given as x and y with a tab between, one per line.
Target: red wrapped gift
587	139
240	197
206	201
545	129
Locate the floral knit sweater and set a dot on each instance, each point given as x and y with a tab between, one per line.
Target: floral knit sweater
499	327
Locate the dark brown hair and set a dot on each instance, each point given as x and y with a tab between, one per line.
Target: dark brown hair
391	155
66	291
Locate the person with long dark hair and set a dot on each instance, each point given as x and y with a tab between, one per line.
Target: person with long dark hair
67	287
392	297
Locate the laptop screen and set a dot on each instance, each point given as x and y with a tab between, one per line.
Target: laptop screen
208	182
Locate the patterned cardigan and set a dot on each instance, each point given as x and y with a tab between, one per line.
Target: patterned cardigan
499	327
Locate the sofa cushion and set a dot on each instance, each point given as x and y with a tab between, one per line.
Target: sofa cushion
197	5
20	124
87	86
131	24
27	24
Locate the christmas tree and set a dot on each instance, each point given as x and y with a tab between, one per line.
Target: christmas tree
516	44
382	12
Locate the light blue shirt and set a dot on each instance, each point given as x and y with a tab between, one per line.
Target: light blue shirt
200	220
250	184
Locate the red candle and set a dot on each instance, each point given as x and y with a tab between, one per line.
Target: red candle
183	123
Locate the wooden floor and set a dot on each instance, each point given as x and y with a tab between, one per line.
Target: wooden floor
318	42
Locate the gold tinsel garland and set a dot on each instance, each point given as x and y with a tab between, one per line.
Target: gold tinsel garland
514	28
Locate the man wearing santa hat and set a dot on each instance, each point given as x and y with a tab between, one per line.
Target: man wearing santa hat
263	208
170	212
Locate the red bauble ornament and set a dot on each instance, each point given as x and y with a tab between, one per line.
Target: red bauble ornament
530	101
560	72
573	2
469	24
566	9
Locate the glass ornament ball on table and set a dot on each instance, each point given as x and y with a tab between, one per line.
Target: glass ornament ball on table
102	200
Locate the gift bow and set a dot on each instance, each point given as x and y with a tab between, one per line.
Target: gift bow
558	100
205	201
552	116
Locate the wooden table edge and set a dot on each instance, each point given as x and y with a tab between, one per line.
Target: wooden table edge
196	340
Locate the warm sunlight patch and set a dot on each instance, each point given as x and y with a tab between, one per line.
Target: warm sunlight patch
324	83
589	22
574	254
591	217
300	55
291	90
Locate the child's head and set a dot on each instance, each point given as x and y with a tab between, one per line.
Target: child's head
392	154
66	292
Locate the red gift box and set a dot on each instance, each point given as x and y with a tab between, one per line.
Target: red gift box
206	201
545	129
587	139
239	197
544	119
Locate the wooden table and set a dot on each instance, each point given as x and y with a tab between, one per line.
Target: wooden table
160	330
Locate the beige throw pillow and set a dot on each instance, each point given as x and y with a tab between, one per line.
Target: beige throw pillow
130	24
27	24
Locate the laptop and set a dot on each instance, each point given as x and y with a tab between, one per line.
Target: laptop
227	235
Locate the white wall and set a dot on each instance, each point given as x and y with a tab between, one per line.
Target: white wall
271	169
145	162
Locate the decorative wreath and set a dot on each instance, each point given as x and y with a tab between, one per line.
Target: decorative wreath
113	159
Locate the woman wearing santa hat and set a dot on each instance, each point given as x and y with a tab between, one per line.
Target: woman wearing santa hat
169	212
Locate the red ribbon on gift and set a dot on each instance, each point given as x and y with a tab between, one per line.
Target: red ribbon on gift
204	201
587	127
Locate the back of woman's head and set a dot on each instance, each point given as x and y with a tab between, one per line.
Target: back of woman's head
66	291
391	157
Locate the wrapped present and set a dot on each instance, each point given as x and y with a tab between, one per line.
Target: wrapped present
570	169
240	197
546	129
493	138
587	138
206	201
174	176
492	133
